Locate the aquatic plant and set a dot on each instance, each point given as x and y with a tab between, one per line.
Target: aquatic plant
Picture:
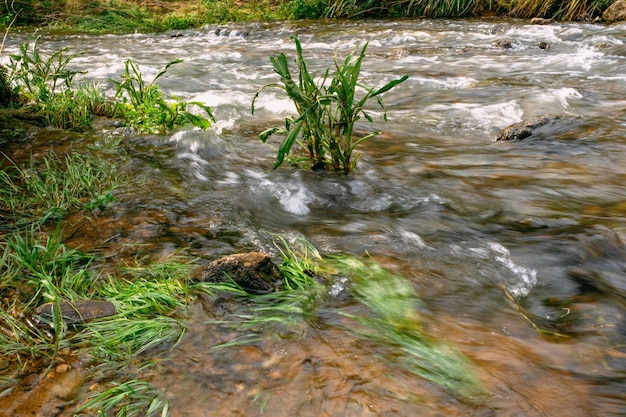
144	106
327	114
37	75
127	399
43	84
396	325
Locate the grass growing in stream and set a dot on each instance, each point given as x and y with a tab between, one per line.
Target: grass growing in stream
152	300
42	83
393	321
327	112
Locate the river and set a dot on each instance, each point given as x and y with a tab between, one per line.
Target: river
501	240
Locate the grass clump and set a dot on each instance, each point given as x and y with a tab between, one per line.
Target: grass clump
54	186
327	112
43	84
36	268
145	108
394	322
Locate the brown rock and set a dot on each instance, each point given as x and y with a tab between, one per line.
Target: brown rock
541	21
503	43
616	12
539	126
253	271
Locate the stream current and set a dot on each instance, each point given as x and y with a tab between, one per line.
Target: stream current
499	239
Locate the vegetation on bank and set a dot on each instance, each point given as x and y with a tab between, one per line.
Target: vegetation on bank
161	15
42	84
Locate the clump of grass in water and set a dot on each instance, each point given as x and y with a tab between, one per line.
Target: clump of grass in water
327	114
35	268
145	107
286	311
395	323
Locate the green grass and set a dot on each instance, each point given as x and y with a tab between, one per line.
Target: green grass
43	84
395	324
36	268
145	108
327	111
124	16
54	186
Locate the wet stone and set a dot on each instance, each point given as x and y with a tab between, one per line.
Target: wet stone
76	312
535	126
253	271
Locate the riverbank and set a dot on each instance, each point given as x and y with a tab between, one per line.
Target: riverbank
160	15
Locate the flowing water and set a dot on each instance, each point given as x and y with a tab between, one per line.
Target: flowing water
507	243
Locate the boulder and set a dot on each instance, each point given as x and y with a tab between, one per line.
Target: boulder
543	45
535	126
253	271
616	12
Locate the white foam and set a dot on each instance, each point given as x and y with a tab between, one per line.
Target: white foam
527	278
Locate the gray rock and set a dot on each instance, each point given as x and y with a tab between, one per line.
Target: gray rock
541	21
80	311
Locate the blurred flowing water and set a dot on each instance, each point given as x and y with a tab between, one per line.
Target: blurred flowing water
495	236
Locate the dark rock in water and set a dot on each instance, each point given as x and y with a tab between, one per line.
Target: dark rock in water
81	311
503	43
222	32
541	21
536	126
616	12
253	271
543	45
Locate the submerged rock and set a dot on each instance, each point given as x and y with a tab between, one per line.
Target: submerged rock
503	43
253	271
539	126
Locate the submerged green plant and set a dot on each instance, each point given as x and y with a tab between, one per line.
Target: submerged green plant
144	106
327	114
395	323
128	399
393	320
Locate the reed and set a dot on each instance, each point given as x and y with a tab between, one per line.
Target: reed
327	112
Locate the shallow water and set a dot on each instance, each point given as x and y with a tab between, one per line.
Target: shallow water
494	236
